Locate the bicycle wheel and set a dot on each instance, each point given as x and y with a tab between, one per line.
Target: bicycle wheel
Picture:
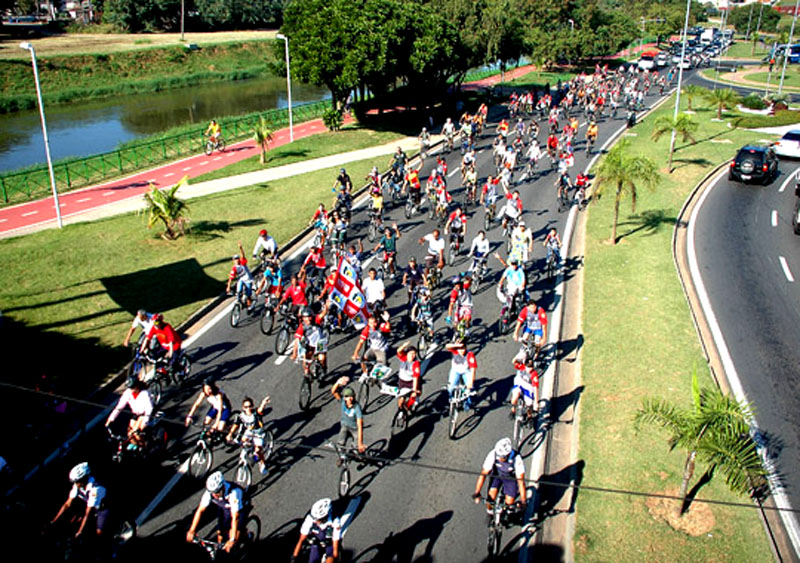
236	314
183	370
269	445
409	209
363	395
422	345
252	531
493	545
372	232
157	442
344	482
208	148
267	321
453	420
244	475
200	461
487	221
519	431
380	273
282	341
221	144
451	254
304	399
155	389
134	369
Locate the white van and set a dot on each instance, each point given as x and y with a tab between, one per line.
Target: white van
647	62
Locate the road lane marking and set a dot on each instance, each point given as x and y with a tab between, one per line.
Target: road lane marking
788	179
774	217
281	359
83	199
108	194
169	174
29	213
217	158
182	470
204	163
187	169
786	270
453	173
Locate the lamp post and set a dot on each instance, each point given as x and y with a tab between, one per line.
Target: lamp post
182	18
788	48
29	47
680	76
288	84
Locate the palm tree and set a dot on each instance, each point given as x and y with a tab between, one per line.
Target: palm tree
723	98
684	126
625	172
165	206
262	134
715	431
692	91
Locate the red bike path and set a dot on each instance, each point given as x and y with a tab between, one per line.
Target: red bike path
41	213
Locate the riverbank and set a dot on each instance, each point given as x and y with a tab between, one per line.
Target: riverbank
66	78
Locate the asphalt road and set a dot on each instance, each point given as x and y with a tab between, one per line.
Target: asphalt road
749	263
414	505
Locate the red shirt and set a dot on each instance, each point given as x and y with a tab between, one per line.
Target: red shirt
460	358
413	367
519	366
519	201
317	258
297	294
539	311
166	336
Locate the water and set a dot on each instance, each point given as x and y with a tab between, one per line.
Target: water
83	129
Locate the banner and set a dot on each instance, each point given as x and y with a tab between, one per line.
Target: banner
347	296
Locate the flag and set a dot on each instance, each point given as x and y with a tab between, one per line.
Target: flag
347	296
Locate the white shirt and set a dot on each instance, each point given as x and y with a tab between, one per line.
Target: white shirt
267	243
232	496
305	528
534	152
480	245
374	290
449	128
92	494
435	246
519	465
141	405
145	324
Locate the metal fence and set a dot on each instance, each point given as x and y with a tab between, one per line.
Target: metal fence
18	187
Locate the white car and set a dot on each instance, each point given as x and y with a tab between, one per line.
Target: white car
686	64
646	62
789	145
661	60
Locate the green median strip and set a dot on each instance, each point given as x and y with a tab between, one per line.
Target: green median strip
640	342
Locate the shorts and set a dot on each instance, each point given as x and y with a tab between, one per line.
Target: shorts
403	384
464	313
225	520
507	484
346	432
254	436
101	513
537	334
431	260
226	413
378	356
317	553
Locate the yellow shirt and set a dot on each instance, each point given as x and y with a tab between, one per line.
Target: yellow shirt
377	202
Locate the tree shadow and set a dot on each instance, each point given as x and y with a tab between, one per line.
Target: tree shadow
210	229
649	221
400	547
557	486
700	161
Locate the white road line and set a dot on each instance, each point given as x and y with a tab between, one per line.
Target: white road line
281	359
108	194
346	518
217	158
169	174
774	217
785	183
3	220
206	327
453	173
786	270
29	213
778	491
187	169
163	493
84	199
204	163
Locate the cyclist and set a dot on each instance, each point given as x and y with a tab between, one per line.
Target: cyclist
296	293
413	276
353	256
168	339
412	183
338	231
244	280
373	339
309	339
489	193
526	385
343	181
457	227
553	244
434	255
143	320
449	131
534	153
248	426
479	250
502	129
591	135
213	131
265	247
498	150
229	500
422	309
552	146
351	423
508	472
532	320
463	367
461	304
399	161
512	211
470	183
374	291
533	131
581	183
408	376
138	399
322	532
467	163
91	497
219	410
314	265
374	180
521	243
388	244
424	142
514	276
563	185
376	206
467	135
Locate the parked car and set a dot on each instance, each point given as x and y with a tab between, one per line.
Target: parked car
754	163
789	145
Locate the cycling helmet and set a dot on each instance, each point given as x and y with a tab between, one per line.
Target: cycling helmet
216	480
321	509
348	392
262	232
158	318
235	257
79	472
412	259
306	312
424	129
521	223
513	262
503	447
341	170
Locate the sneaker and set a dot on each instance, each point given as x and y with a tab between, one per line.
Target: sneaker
263	467
132	447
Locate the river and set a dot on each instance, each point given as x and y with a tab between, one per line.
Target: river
82	129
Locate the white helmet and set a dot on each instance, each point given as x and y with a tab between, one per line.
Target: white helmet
79	472
321	509
215	482
503	447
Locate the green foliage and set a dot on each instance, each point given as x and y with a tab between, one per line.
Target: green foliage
166	207
722	98
692	92
684	125
753	101
262	134
333	119
143	15
234	14
738	18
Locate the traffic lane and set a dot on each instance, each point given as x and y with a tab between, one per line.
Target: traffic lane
286	385
757	310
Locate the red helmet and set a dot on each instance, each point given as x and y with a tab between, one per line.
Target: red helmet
158	318
262	232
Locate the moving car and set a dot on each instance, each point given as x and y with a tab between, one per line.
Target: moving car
754	163
789	145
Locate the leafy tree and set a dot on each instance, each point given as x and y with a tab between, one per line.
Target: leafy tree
723	98
142	15
715	431
165	206
262	134
235	14
738	18
683	125
692	91
624	172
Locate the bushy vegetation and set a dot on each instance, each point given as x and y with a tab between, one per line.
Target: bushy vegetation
753	101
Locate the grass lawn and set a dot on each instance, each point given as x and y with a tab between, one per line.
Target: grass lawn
640	342
539	79
350	138
791	78
73	291
741	49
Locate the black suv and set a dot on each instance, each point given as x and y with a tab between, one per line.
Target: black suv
754	163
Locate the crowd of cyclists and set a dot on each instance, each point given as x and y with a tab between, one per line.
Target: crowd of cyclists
536	126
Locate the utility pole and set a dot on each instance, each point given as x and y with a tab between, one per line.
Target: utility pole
758	27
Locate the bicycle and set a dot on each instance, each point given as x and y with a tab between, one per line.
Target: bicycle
375	225
479	270
210	145
453	249
590	144
458	398
248	536
498	520
524	418
508	314
551	266
202	457
315	373
562	198
344	457
161	374
241	303
243	474
393	184
449	143
289	324
469	194
267	320
155	442
373	377
490	212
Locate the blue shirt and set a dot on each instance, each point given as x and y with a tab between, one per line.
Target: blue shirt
516	278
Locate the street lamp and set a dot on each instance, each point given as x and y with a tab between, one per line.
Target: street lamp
288	84
29	47
788	49
680	76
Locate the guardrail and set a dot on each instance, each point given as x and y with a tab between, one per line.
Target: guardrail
25	185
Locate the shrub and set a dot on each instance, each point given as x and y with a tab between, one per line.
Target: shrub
333	119
754	101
